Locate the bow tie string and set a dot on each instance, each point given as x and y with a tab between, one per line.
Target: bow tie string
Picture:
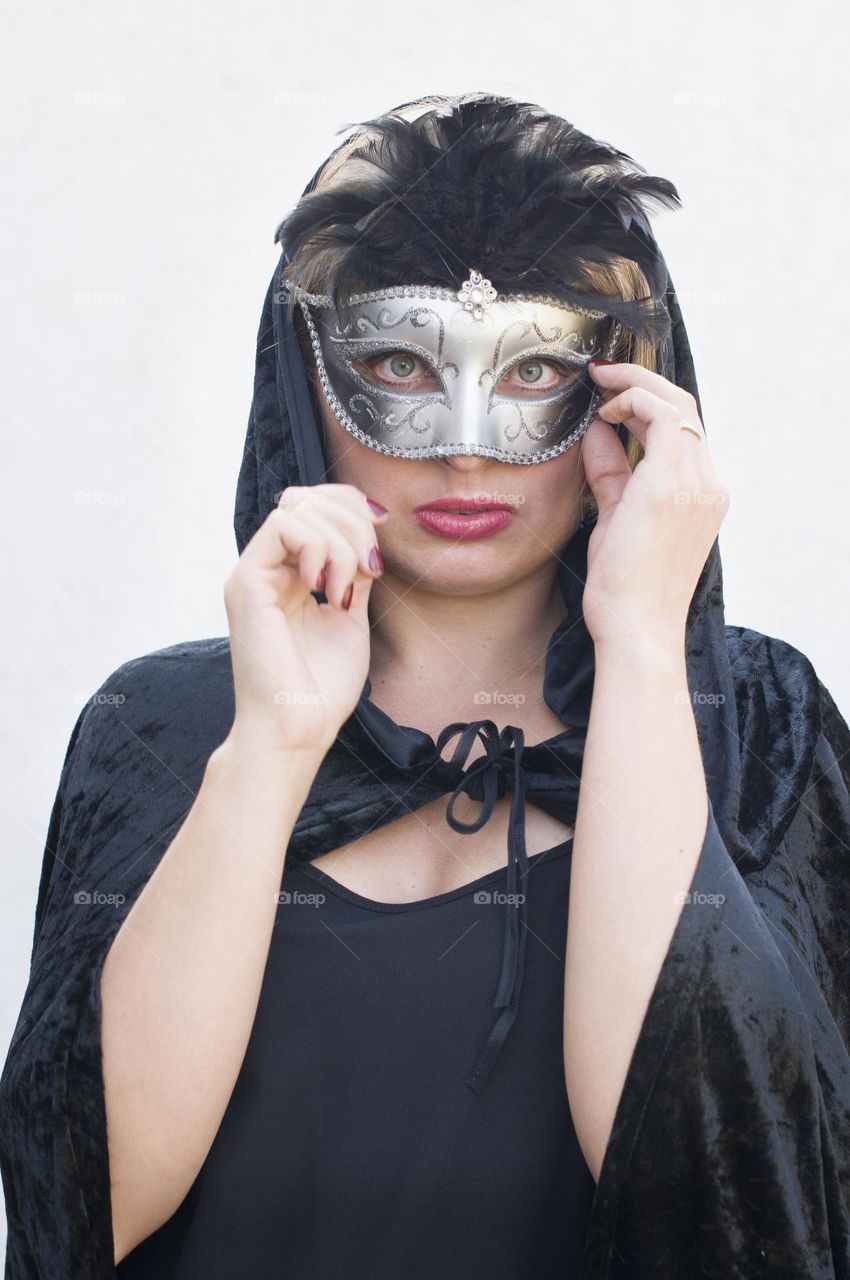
485	780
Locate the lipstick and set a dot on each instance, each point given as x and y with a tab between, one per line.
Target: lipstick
458	517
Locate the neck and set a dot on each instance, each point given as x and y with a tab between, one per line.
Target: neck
442	657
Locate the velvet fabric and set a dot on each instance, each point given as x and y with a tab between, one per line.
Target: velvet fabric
730	1150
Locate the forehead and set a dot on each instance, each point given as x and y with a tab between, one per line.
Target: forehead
508	328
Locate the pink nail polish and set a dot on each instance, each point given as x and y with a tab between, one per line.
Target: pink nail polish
375	560
346	599
376	507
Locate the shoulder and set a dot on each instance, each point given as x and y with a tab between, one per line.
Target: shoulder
794	742
772	676
773	662
173	667
169	703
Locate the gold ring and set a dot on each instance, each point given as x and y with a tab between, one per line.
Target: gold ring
684	425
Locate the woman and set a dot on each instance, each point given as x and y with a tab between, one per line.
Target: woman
266	949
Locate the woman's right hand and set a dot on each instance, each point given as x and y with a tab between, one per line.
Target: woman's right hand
299	666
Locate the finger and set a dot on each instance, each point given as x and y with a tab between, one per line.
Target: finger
694	463
280	553
288	539
347	552
616	377
676	453
652	420
346	495
348	514
347	510
606	465
612	378
359	607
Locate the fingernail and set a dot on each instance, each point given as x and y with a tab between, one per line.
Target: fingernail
321	581
346	599
599	360
376	507
375	561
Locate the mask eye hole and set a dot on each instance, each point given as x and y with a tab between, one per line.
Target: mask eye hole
399	370
534	377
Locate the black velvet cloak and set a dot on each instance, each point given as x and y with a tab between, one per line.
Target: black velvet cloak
730	1151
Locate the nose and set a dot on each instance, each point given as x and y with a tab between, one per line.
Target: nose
467	462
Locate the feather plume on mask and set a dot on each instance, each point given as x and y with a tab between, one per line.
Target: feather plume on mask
528	199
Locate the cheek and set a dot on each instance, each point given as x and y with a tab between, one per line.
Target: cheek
552	492
351	462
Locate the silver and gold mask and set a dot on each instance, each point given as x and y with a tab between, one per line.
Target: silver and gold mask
422	371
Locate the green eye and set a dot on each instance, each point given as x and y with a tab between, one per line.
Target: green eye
531	371
402	366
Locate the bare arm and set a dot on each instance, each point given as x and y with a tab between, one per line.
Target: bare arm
182	979
643	803
641	820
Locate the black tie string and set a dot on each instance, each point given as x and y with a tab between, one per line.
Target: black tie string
486	780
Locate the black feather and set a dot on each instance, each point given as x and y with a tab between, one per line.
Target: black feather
492	184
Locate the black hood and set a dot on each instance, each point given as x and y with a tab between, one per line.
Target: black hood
383	769
283	447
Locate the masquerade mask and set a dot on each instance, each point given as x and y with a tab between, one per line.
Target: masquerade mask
422	371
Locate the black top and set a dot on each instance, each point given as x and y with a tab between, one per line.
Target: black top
352	1146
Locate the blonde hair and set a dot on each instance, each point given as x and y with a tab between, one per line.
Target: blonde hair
625	279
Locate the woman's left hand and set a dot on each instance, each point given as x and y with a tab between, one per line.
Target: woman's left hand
656	524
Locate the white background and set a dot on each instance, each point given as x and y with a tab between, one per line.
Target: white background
149	153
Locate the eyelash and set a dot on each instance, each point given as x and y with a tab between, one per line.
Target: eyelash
404	383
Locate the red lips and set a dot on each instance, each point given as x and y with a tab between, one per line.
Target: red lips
459	503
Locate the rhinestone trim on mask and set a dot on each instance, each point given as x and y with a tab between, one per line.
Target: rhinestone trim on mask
435	291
